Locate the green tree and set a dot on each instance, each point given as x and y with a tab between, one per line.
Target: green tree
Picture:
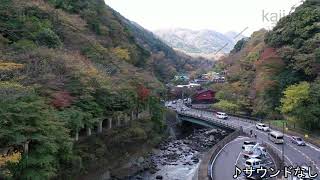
227	106
48	38
295	96
301	104
25	117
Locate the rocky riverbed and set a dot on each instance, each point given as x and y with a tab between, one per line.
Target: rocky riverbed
177	159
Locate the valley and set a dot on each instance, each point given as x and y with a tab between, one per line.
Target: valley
88	93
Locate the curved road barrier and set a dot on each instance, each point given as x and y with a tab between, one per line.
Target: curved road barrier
313	139
205	169
292	154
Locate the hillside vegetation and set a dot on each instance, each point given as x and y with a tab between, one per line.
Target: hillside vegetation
276	74
64	66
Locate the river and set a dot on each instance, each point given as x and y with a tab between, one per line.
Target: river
178	157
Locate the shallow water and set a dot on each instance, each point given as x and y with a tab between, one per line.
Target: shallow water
179	159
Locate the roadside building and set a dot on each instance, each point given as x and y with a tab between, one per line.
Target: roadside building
203	97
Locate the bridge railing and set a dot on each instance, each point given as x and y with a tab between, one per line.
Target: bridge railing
205	169
294	131
209	120
249	119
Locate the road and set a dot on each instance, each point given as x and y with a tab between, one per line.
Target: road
294	155
230	156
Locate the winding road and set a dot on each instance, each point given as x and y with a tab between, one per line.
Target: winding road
224	163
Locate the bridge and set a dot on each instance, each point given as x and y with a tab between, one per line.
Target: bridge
203	120
223	165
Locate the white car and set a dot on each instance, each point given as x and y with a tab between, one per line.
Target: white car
248	144
258	153
263	127
253	162
221	115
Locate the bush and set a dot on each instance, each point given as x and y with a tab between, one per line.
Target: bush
227	106
24	45
48	38
121	53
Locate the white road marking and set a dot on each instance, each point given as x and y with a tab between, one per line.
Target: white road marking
238	158
313	147
274	162
215	158
307	157
276	148
233	122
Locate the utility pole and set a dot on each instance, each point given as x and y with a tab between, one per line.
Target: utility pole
283	145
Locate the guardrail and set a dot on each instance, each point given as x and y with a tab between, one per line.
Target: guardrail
292	132
209	120
231	114
205	170
274	155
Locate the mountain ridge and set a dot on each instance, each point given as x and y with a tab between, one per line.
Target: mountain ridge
205	42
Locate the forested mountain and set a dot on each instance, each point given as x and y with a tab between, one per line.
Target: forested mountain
276	74
166	60
64	66
199	43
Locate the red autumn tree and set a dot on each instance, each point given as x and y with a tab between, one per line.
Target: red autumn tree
61	99
268	53
143	93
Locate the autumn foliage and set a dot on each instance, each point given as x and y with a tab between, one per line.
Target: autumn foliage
143	93
62	99
13	158
268	53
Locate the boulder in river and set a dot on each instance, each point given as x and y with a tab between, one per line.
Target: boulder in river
159	177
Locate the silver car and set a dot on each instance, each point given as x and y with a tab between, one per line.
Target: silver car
298	141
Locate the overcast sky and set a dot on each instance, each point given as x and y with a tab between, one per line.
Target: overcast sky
219	15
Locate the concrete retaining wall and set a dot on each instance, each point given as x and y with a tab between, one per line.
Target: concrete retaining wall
205	170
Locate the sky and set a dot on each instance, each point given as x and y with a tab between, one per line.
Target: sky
219	15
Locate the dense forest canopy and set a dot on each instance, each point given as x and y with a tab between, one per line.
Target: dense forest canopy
65	65
275	74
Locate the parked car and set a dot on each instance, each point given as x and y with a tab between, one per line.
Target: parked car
258	153
263	127
254	151
298	141
221	115
253	162
246	143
